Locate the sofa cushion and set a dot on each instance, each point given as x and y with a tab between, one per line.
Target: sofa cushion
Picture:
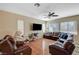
55	34
48	34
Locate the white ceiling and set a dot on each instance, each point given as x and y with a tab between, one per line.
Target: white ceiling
28	9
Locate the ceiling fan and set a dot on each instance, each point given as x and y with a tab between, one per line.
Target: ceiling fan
51	14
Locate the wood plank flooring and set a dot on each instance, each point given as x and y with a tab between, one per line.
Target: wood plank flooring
40	46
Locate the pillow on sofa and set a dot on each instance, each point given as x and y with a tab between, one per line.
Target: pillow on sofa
63	36
60	34
58	43
66	37
62	40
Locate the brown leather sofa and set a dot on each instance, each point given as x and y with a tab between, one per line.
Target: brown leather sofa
52	36
8	44
67	50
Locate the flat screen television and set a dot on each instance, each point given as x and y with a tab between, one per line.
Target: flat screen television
36	27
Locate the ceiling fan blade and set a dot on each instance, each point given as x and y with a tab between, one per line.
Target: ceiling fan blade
55	15
50	14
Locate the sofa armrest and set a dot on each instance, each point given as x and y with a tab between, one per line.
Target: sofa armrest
69	47
55	50
25	50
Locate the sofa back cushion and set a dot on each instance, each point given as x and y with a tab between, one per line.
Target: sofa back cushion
11	40
48	34
55	34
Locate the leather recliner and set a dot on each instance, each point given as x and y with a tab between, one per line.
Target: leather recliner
8	44
67	50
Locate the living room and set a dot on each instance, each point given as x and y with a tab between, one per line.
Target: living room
37	31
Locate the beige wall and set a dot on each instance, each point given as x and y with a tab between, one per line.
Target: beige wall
8	23
67	19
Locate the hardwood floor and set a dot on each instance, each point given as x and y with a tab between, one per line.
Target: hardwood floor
40	46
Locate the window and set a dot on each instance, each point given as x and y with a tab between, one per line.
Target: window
63	27
72	27
43	28
69	27
20	26
50	28
54	27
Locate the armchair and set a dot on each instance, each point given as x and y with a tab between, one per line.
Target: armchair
67	50
8	47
